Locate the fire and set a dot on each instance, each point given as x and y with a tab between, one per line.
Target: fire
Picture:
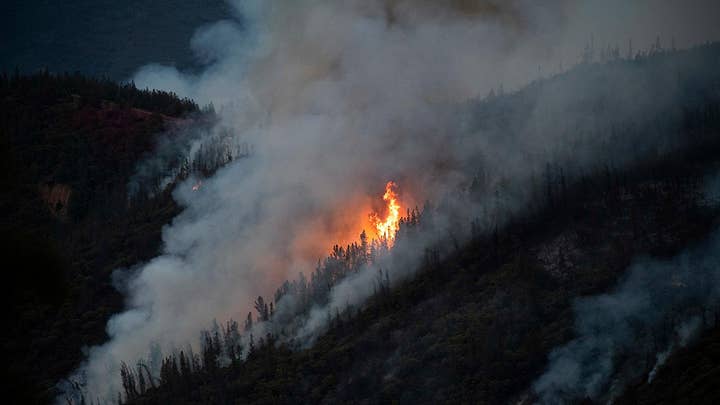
374	221
386	229
197	186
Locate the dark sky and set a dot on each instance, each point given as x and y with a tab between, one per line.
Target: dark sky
101	37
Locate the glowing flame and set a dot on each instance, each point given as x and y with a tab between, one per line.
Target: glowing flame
197	186
386	229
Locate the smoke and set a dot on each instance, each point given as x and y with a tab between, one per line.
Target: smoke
337	98
623	335
188	149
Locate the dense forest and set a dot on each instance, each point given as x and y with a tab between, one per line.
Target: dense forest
68	146
475	325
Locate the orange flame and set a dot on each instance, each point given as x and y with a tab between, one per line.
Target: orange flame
197	186
388	228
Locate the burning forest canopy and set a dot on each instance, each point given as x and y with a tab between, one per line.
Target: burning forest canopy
373	186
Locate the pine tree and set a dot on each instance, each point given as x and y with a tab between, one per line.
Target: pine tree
248	322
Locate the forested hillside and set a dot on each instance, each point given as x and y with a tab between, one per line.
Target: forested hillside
475	325
478	325
689	376
474	328
68	145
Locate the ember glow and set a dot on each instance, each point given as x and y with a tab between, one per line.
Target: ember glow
387	228
197	186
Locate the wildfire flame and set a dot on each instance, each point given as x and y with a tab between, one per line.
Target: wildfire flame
386	229
197	186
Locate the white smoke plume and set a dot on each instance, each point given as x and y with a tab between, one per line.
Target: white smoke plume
337	98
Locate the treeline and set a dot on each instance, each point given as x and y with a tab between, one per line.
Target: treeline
43	88
82	137
221	346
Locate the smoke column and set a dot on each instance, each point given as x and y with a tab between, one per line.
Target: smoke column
336	98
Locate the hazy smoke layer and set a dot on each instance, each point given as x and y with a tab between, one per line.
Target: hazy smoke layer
336	99
658	307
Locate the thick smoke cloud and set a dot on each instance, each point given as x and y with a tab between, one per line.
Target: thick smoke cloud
336	98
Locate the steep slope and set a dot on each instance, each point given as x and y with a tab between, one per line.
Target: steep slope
689	376
68	145
477	326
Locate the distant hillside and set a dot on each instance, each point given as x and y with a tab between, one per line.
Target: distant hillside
78	139
68	145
